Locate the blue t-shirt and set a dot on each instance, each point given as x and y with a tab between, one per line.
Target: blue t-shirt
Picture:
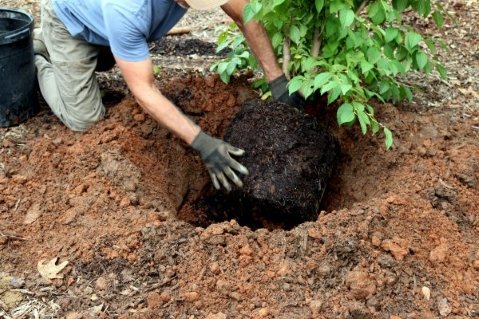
125	25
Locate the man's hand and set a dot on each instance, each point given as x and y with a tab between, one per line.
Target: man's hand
280	93
216	156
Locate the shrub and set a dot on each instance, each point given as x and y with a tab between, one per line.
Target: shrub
351	50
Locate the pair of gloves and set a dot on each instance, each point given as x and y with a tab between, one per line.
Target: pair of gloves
216	153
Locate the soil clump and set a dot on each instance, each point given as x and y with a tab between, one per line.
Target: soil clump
290	158
181	46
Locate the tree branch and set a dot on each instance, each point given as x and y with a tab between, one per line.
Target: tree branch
286	57
362	6
316	43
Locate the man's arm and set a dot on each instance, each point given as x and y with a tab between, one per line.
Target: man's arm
140	80
216	154
261	47
256	37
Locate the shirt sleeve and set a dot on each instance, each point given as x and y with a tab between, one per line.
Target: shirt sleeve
127	40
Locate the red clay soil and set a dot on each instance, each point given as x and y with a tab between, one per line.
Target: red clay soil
393	222
397	236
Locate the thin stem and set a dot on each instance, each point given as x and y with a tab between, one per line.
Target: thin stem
316	42
362	6
286	57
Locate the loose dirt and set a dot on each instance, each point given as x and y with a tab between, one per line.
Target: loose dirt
396	238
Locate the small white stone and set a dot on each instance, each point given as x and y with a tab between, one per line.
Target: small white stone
426	292
443	307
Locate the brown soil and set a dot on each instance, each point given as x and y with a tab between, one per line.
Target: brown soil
181	45
397	236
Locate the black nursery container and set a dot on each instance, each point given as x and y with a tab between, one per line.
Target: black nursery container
18	99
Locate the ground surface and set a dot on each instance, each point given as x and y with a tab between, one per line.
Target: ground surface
397	238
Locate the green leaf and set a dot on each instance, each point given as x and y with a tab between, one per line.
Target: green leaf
388	51
250	10
438	19
402	53
376	12
295	84
374	127
353	76
330	49
238	42
277	3
389	138
222	67
336	5
156	69
431	46
373	54
428	67
363	121
391	34
373	9
345	114
346	17
384	86
225	77
392	15
321	79
307	64
442	70
294	34
407	64
412	40
370	109
319	5
366	66
423	7
399	66
421	59
406	92
400	5
358	107
329	86
278	24
308	88
333	94
277	39
394	67
244	55
345	87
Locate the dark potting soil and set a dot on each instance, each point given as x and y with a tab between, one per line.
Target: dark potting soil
179	46
290	158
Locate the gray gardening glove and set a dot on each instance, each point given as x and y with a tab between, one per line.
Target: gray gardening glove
215	153
280	93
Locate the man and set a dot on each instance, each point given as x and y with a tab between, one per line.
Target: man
76	36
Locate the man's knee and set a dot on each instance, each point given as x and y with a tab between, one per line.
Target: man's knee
79	120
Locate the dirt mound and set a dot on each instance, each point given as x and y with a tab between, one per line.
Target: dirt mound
397	237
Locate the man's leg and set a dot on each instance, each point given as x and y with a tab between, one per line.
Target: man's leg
67	80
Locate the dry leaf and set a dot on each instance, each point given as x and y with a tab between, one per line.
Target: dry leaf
51	270
426	292
32	215
469	92
443	307
96	309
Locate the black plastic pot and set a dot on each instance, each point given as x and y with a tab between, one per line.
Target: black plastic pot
18	97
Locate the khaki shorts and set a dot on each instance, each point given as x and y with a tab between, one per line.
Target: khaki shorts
67	78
